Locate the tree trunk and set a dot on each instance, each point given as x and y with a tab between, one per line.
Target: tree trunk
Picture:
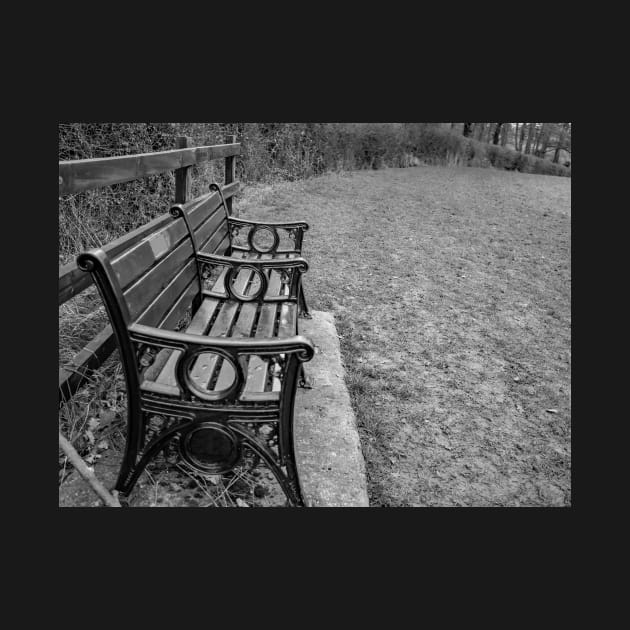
497	133
467	129
516	138
523	130
537	140
530	137
504	133
480	129
556	155
545	134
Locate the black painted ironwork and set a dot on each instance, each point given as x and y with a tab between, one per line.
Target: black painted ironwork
212	430
292	267
209	426
178	211
217	188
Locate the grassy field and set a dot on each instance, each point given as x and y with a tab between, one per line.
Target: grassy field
451	289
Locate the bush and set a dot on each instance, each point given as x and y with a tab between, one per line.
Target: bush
270	151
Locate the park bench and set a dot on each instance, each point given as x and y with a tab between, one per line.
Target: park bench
204	308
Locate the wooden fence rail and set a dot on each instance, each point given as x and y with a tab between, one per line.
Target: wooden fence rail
80	175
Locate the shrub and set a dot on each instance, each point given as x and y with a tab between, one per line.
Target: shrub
270	151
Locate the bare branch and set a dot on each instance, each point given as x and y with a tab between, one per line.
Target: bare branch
87	473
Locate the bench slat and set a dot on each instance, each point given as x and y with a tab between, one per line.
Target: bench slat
203	369
198	325
73	281
133	263
242	328
140	294
257	372
155	312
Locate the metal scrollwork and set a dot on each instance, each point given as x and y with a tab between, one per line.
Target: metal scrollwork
184	378
286	275
260	229
209	273
233	273
210	447
146	356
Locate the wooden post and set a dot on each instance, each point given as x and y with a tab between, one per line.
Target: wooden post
230	171
182	175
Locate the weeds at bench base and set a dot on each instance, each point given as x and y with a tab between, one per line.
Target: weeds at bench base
95	422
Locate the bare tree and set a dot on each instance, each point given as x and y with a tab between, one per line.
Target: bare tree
497	133
504	133
522	140
545	135
564	129
530	136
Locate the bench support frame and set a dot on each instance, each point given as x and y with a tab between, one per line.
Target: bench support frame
225	425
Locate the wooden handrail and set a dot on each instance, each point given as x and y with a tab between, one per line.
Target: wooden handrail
78	175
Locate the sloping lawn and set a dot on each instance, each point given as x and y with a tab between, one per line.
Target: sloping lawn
451	290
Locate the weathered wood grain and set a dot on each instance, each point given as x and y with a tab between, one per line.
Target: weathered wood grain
73	281
79	175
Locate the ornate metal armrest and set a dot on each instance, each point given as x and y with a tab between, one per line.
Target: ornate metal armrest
295	230
291	270
236	351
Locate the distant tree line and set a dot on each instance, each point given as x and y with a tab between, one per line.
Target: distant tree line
285	151
544	140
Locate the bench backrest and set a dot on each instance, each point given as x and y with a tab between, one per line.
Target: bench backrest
154	263
158	276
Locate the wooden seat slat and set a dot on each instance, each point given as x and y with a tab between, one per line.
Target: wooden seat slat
258	367
287	322
160	377
204	367
167	359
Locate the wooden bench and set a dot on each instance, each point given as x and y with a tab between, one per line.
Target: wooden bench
205	312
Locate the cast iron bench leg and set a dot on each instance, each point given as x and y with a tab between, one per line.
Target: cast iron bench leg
303	306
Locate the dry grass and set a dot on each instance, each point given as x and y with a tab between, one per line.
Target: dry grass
451	290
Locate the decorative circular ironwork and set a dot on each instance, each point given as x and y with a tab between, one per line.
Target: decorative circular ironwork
210	448
262	248
85	262
183	371
262	283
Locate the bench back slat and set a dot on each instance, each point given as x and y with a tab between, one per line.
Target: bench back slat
150	267
73	281
156	311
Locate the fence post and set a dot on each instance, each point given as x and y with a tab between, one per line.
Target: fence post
230	170
182	175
